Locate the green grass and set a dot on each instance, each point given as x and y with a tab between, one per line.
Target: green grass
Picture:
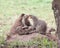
37	41
44	43
11	9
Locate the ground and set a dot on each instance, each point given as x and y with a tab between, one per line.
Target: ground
11	9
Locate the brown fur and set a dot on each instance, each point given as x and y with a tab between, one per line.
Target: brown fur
24	27
14	26
39	25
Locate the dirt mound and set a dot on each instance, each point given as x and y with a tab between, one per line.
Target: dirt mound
24	38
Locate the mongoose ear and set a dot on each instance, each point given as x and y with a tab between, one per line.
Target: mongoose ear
22	14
